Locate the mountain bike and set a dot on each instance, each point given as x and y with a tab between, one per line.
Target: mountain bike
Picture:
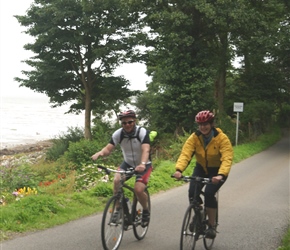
118	216
195	221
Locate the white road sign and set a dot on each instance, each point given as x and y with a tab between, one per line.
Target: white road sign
238	106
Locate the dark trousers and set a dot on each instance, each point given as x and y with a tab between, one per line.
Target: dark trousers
210	189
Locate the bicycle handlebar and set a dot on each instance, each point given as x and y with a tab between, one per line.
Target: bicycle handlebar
196	178
131	171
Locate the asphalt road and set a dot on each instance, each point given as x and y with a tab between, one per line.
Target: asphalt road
254	213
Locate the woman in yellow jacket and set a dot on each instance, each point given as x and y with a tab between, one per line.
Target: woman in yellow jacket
214	155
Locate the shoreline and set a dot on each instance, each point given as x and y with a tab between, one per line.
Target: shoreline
25	147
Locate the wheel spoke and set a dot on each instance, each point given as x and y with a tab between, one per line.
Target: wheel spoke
140	231
112	225
189	231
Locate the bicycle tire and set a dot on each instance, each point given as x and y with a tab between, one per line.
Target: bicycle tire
190	229
208	242
139	231
112	227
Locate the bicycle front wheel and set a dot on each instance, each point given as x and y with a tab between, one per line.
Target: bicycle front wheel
189	230
112	225
139	230
208	242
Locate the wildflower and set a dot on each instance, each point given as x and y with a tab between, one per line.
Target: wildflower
15	193
2	201
105	178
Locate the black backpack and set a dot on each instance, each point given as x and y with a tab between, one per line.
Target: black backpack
122	135
136	135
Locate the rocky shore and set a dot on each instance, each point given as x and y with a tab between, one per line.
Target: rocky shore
26	148
28	153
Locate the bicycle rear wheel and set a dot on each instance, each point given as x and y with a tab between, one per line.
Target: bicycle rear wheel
140	231
112	225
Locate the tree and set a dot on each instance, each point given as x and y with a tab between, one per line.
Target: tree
193	44
78	44
178	75
264	47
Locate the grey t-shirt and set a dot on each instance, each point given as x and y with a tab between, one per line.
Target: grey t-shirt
130	144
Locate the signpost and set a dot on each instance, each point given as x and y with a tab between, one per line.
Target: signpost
238	107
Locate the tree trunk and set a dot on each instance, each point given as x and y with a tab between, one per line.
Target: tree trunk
220	86
220	83
88	133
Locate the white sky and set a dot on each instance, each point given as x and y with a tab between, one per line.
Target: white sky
12	53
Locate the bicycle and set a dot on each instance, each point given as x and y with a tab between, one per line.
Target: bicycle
195	219
118	216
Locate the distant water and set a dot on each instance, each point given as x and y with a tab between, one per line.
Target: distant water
27	120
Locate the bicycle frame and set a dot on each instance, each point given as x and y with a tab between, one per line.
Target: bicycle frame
121	197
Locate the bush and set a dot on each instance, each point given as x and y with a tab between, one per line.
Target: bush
172	150
103	189
102	131
257	119
13	177
61	142
80	153
284	115
227	125
88	177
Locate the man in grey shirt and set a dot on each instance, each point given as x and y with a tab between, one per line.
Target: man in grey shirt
135	144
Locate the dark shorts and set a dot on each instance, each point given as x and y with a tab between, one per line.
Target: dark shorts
210	189
140	177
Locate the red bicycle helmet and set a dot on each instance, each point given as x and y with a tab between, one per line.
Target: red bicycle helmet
128	113
204	116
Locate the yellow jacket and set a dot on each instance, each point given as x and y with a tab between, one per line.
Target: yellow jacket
218	153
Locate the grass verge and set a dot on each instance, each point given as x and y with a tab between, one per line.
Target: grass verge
41	211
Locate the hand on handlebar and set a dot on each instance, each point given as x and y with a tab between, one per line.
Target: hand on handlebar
216	179
177	175
95	156
140	168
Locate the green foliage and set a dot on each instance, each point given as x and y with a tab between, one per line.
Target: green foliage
257	118
284	116
77	65
13	177
80	153
103	189
88	177
103	130
192	58
286	242
228	126
58	185
42	211
45	210
246	150
28	210
171	147
61	142
160	178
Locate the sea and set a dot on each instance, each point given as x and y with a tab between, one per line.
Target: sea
27	120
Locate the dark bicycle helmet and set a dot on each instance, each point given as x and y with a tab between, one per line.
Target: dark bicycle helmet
204	116
128	113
